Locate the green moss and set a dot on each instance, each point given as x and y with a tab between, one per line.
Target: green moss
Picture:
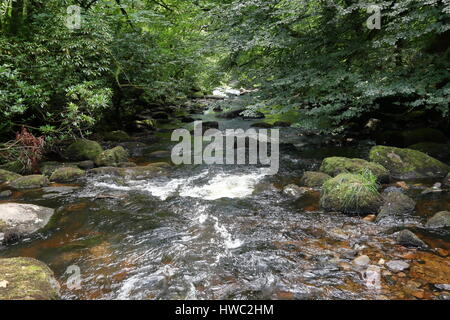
439	220
118	136
313	179
83	150
407	163
351	193
337	165
30	182
6	176
112	157
440	151
27	279
67	174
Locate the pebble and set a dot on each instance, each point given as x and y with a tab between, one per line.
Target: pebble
381	262
397	265
445	287
370	218
361	261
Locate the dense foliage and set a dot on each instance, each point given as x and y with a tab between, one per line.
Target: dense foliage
316	56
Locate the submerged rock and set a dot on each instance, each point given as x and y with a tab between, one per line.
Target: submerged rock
112	157
67	174
350	193
397	265
6	176
439	220
30	182
295	191
27	279
408	239
407	163
336	165
23	219
395	204
82	150
314	179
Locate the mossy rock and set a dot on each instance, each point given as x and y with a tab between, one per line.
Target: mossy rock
439	220
141	172
67	174
408	164
27	279
82	150
350	193
7	176
48	167
112	157
314	179
410	137
337	165
30	182
117	136
440	151
13	166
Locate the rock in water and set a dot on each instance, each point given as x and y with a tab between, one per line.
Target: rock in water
30	182
361	261
397	265
112	157
27	279
350	193
408	164
66	174
82	150
23	219
6	176
395	204
408	239
313	179
439	220
295	191
337	165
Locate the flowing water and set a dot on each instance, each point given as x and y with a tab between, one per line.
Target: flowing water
223	232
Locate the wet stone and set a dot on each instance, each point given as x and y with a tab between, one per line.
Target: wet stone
397	265
408	239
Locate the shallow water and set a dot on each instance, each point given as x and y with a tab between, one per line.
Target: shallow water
226	232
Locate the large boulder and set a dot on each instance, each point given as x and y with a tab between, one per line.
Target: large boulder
66	174
314	179
439	220
336	165
112	157
27	279
408	164
141	172
29	182
440	151
23	219
83	150
351	193
407	238
7	176
395	204
48	167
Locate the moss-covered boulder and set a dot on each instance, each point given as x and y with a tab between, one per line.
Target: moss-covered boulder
27	279
439	220
351	193
6	176
337	165
82	150
395	205
112	157
13	166
118	136
66	174
48	167
410	137
408	164
440	151
30	182
314	179
135	173
23	219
